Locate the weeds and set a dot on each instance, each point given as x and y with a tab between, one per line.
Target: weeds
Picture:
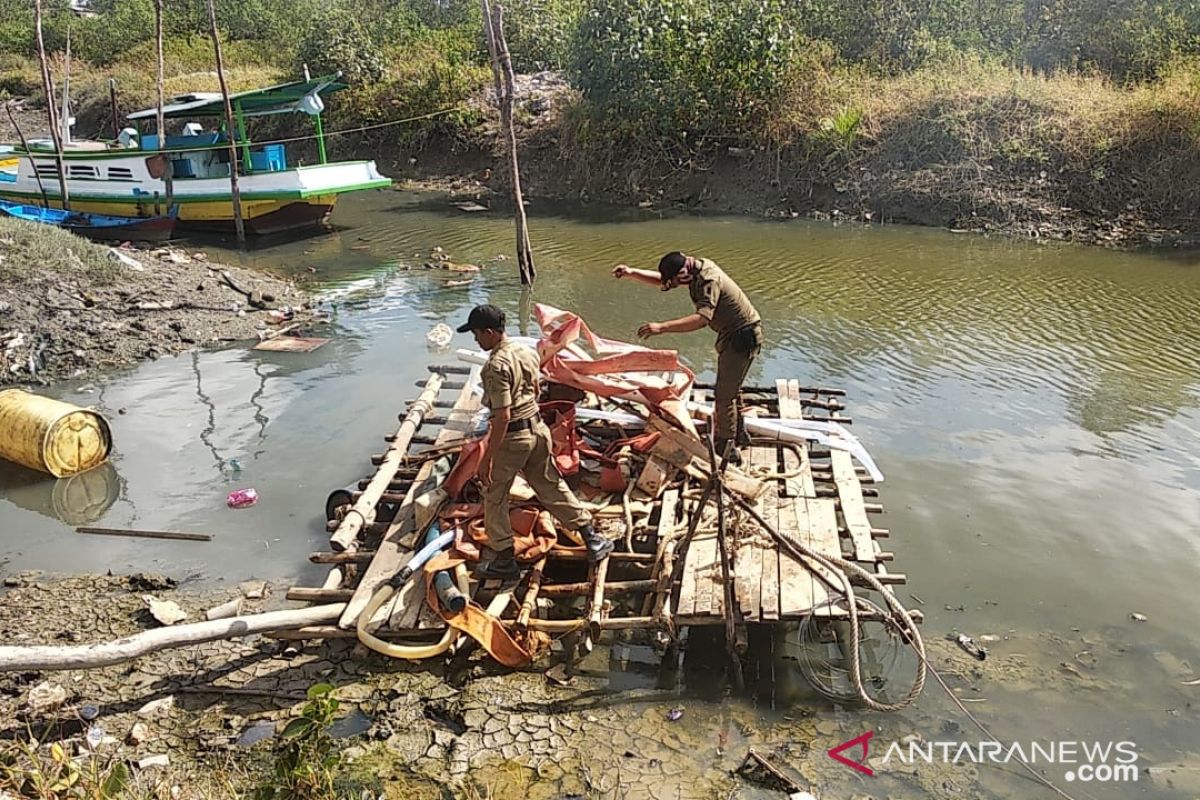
31	770
306	765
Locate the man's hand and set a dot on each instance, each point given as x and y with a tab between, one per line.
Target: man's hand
485	470
650	329
620	270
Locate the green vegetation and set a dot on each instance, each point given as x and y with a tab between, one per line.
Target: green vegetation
944	96
306	764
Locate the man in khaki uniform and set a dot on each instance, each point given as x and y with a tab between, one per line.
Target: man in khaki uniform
721	305
518	441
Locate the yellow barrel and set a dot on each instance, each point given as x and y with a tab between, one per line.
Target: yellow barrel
50	435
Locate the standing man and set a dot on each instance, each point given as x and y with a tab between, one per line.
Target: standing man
721	305
518	441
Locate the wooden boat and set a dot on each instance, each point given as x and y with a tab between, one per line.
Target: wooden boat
99	227
127	178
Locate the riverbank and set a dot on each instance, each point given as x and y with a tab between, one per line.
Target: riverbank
969	148
70	308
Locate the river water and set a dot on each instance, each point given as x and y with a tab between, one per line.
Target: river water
1034	407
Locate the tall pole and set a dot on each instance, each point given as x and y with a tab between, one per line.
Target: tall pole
65	120
36	175
48	88
230	130
502	72
158	117
112	102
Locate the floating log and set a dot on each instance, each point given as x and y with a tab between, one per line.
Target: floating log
140	534
15	658
363	512
449	369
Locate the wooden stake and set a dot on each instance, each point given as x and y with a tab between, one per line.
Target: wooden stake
51	111
17	658
230	129
168	178
502	72
36	175
112	105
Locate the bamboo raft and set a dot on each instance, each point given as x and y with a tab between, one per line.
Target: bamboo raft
656	579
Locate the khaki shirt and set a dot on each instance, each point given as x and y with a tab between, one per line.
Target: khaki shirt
721	301
510	379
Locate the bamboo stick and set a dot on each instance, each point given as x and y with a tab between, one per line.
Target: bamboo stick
230	129
609	624
139	534
531	593
610	588
25	144
599	576
16	658
730	607
356	557
363	511
168	178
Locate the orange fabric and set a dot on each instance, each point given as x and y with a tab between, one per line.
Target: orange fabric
465	468
618	369
534	532
474	620
559	416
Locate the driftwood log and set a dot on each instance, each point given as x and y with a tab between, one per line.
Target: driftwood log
103	654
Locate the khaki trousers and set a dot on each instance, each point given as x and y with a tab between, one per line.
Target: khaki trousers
528	452
734	357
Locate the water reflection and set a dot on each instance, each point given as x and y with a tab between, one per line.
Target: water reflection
75	500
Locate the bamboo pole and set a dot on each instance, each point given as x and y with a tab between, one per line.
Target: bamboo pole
363	510
583	588
502	73
112	105
51	112
230	129
17	658
141	534
160	121
531	593
596	608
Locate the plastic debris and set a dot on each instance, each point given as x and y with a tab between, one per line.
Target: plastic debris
439	335
167	612
154	761
157	706
95	735
88	712
242	498
138	733
46	696
1136	617
674	715
970	646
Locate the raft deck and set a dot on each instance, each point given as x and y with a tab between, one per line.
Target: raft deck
814	495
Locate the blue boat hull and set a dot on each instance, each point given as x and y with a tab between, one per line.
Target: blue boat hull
99	227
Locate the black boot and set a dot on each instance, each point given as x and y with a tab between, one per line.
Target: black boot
502	567
597	546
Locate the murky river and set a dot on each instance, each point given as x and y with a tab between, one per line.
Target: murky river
1034	407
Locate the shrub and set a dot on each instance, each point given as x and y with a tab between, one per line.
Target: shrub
338	40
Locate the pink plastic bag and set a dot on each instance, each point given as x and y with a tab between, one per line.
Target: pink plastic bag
242	498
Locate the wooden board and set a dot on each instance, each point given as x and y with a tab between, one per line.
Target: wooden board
853	512
392	554
689	453
768	591
687	582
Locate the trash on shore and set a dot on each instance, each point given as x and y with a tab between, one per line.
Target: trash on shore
242	498
970	646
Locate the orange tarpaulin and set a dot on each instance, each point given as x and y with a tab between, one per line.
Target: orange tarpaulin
474	620
646	375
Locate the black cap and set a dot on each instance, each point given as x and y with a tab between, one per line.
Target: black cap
483	318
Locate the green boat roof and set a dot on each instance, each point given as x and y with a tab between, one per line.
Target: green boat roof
280	99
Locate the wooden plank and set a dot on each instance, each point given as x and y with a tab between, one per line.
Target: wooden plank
748	554
769	578
853	510
392	554
708	593
655	475
796	584
789	404
687	582
690	453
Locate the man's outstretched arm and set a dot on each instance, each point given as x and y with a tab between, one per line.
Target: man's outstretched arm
692	322
648	277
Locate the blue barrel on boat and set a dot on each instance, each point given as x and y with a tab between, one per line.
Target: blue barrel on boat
50	435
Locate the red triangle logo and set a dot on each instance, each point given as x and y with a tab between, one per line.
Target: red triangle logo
860	764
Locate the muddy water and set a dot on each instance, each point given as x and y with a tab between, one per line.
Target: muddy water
1035	409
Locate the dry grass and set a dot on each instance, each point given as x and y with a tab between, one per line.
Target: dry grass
29	251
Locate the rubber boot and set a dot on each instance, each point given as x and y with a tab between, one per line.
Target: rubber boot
597	546
502	567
